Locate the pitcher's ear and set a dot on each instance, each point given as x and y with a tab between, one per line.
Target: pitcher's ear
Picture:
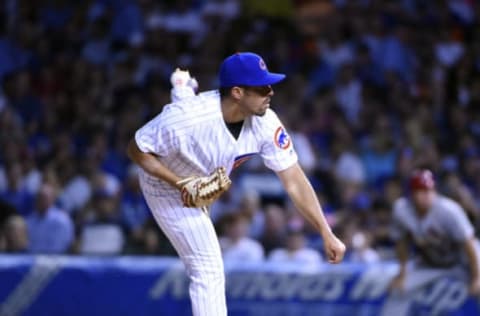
237	92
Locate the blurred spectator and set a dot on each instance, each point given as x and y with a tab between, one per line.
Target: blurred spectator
97	49
250	206
50	229
133	208
398	55
448	50
393	189
348	94
227	203
365	67
33	176
78	189
303	146
380	156
101	231
225	10
235	244
151	242
15	235
348	167
379	228
296	251
12	56
24	99
335	51
274	232
16	194
127	20
7	210
362	250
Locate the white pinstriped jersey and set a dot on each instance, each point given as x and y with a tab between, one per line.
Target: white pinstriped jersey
190	137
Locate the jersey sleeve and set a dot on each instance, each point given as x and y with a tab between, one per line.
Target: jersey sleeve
158	136
277	149
181	93
457	222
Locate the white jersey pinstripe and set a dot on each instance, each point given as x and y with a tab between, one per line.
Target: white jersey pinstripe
190	137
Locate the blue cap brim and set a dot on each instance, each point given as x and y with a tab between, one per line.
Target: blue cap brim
273	78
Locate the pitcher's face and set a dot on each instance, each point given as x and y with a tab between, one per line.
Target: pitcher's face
256	100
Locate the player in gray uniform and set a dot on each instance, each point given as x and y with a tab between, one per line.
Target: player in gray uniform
441	235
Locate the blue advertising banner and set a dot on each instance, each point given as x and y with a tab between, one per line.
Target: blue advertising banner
61	285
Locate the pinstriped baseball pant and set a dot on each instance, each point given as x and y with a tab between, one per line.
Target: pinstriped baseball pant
193	236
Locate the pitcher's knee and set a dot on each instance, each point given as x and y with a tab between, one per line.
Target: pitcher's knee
209	275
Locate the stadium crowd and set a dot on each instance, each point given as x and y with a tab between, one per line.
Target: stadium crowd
374	90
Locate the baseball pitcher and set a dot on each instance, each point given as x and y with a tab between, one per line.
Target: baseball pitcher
187	153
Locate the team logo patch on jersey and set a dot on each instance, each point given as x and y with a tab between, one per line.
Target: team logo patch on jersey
282	140
241	159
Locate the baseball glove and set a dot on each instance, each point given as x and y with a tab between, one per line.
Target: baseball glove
203	191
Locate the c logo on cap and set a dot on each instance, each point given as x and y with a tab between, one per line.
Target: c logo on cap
262	65
281	138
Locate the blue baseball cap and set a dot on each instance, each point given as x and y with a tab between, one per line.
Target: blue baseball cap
246	69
